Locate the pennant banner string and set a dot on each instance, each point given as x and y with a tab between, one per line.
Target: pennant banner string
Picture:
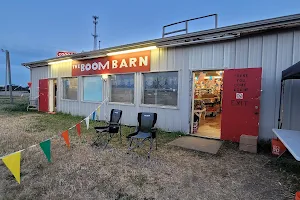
56	135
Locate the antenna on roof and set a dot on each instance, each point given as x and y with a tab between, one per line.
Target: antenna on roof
95	31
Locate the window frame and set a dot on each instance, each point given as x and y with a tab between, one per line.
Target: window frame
158	105
110	89
82	89
62	86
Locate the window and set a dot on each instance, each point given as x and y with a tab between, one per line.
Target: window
122	88
92	88
161	88
70	86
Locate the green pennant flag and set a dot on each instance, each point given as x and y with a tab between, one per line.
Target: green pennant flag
46	147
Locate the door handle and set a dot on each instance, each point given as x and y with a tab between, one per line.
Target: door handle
256	110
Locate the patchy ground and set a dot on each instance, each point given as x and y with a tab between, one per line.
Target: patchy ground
86	172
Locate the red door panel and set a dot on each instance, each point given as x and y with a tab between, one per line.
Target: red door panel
43	95
241	103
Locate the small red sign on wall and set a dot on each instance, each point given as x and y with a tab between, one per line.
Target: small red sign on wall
124	63
64	53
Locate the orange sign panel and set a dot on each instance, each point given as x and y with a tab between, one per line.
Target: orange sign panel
124	63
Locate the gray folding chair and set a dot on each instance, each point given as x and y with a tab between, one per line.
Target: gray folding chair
145	131
112	129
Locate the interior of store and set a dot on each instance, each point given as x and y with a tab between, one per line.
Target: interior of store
207	102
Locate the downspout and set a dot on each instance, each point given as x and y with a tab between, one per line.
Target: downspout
281	104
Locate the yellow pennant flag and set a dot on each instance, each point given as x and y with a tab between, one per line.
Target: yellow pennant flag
98	113
13	163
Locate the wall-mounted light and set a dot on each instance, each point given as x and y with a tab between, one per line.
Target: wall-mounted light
61	61
104	77
132	50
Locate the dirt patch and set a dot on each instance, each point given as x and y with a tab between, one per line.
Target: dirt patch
86	172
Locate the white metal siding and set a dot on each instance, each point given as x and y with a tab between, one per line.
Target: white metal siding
37	74
61	70
57	71
168	119
295	106
273	52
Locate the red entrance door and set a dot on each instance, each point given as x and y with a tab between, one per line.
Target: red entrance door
241	103
43	95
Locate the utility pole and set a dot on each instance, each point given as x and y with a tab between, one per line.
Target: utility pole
9	77
99	44
95	31
8	74
6	69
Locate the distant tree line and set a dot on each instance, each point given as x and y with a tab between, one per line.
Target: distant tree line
15	88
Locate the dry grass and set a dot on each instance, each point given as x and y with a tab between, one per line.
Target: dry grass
86	172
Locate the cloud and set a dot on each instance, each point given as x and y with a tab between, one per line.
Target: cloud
18	55
20	75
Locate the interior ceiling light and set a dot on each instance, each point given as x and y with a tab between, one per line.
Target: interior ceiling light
61	61
132	50
211	77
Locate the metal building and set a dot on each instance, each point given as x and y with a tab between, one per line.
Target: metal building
272	44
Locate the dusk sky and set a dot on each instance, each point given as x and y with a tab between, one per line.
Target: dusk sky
32	30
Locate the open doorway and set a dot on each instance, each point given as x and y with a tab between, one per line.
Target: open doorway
207	103
52	95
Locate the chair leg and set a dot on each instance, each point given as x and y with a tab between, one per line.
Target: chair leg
137	144
120	135
97	139
130	143
151	144
108	140
100	138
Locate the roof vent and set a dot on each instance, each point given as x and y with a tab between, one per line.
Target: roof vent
186	25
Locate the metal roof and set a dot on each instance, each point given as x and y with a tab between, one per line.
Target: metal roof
289	21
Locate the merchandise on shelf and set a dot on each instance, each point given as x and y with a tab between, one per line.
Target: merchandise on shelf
208	91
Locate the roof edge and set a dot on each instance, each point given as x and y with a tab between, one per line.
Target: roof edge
269	24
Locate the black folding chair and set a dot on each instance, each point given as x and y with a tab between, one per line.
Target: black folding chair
112	129
144	132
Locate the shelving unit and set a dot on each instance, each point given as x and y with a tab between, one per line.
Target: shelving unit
211	95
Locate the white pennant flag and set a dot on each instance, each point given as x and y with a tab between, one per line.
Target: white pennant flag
87	122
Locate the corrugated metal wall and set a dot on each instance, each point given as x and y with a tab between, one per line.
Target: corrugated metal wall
73	107
37	74
166	117
274	52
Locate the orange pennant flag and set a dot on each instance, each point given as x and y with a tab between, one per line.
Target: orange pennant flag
78	127
65	135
